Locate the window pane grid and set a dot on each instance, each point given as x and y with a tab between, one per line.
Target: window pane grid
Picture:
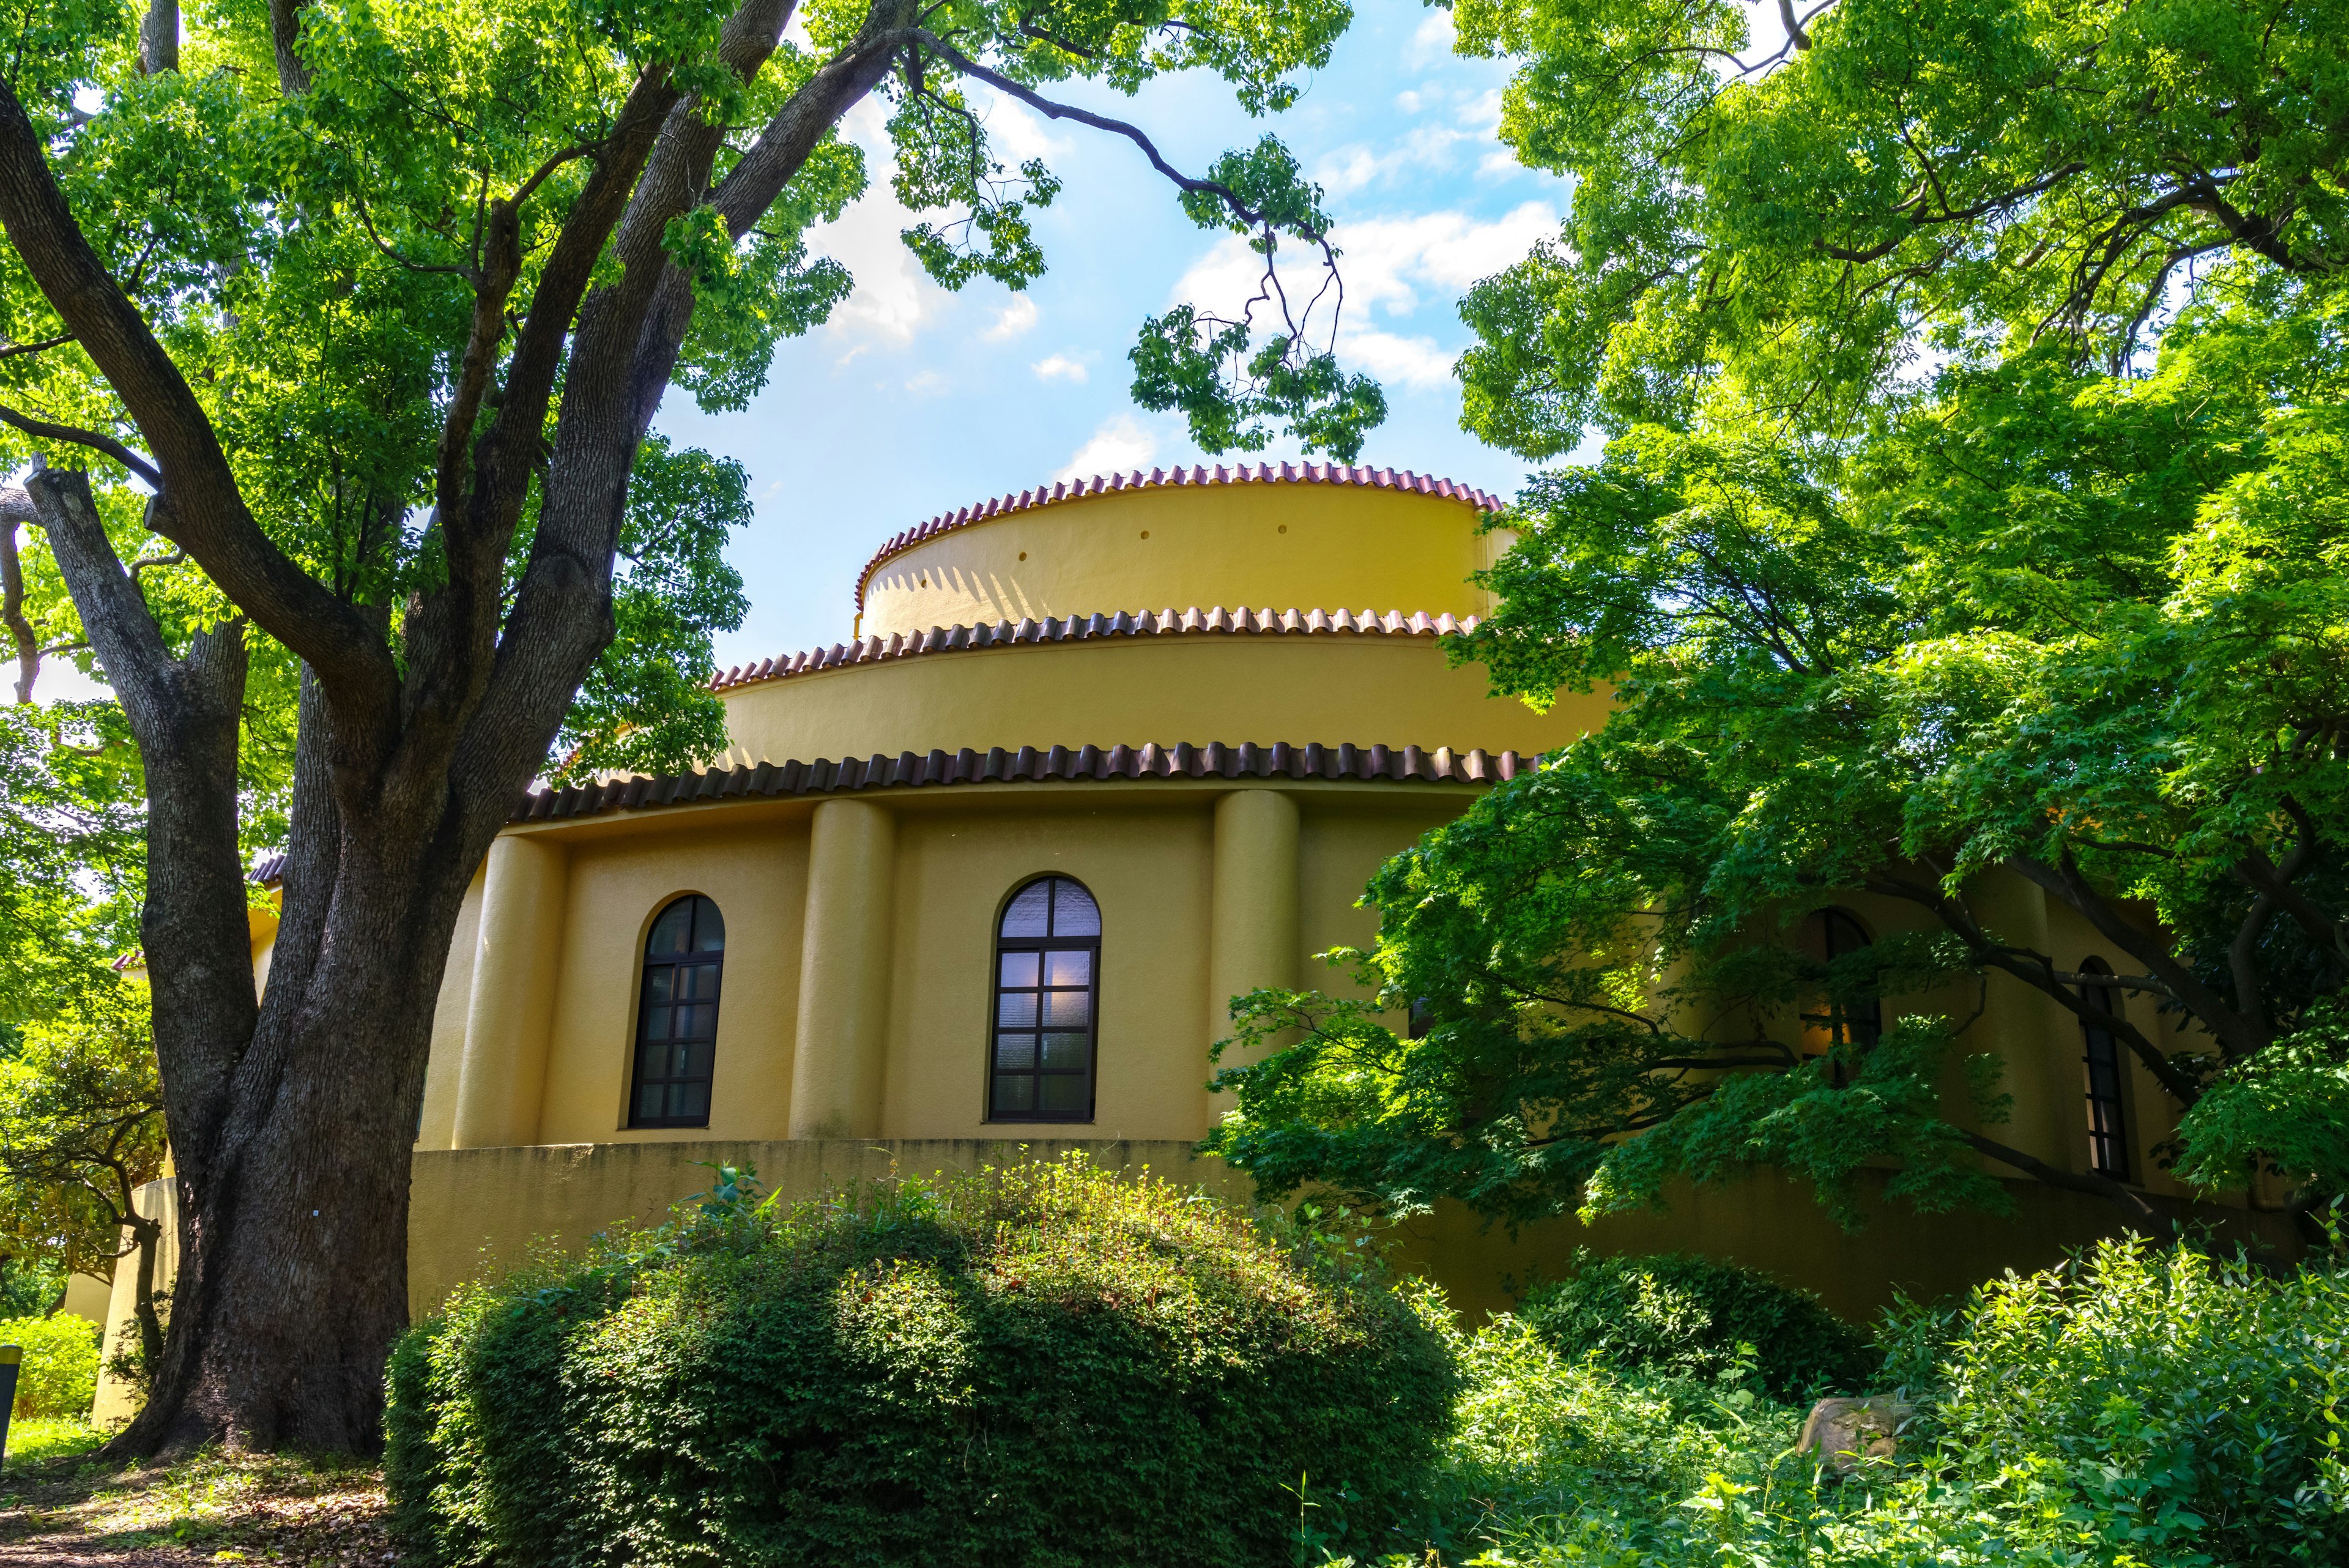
1041	1055
2101	1066
676	1017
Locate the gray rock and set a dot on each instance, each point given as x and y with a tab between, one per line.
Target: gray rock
1847	1432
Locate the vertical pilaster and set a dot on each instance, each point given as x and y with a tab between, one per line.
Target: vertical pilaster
1254	933
837	1066
2037	1041
511	1010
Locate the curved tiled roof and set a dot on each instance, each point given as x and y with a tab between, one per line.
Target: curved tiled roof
269	868
1243	473
1077	629
909	770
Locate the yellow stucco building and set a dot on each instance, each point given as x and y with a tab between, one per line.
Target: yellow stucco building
1099	758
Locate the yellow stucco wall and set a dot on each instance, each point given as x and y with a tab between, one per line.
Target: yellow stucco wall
1146	849
1107	692
1207	887
757	874
1289	545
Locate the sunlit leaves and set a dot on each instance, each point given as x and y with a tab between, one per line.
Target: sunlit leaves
1927	183
749	295
646	706
1237	397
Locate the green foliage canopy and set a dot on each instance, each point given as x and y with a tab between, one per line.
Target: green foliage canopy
2065	610
1961	180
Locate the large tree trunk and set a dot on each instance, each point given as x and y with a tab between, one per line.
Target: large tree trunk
293	1117
297	1281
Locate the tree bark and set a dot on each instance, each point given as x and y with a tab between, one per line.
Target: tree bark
291	1115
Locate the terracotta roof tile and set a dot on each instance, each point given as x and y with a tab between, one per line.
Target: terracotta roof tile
1077	629
1243	473
910	770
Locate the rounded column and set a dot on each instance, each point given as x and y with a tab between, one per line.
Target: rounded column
502	1074
2037	1043
844	1018
1254	933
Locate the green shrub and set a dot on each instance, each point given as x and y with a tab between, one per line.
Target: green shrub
2185	1406
60	1375
1564	1459
1038	1365
2138	1408
1687	1317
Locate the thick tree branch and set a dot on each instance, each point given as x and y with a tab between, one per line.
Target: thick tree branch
2130	1201
159	38
206	513
2040	974
284	29
2236	1035
74	435
2264	876
16	510
184	712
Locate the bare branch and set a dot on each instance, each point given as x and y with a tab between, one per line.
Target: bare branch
44	429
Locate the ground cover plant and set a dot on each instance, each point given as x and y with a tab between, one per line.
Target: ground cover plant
2138	1406
1035	1365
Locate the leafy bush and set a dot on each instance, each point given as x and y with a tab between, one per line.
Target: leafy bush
2186	1407
60	1375
2138	1408
1043	1365
1559	1459
1685	1316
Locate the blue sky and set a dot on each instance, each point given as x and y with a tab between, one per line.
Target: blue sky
913	401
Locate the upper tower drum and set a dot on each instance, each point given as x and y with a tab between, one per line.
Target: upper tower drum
1287	536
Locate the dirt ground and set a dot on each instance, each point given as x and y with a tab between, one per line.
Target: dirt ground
213	1509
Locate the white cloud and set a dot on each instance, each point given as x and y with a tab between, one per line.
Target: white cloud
1481	115
1121	442
894	299
1411	100
1431	43
1414	362
1016	316
1060	368
927	384
1346	169
1386	264
1014	135
1351	168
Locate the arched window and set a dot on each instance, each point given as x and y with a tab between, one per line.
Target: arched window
1047	991
2101	1054
1828	935
677	1016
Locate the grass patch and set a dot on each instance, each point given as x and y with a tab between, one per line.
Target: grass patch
36	1440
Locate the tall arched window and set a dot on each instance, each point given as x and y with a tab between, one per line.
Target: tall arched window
677	1016
1828	935
1047	991
2101	1055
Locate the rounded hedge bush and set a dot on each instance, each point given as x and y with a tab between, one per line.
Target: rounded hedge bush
1686	1316
1035	1365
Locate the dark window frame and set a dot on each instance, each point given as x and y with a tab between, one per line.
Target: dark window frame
1051	941
673	965
2108	1100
